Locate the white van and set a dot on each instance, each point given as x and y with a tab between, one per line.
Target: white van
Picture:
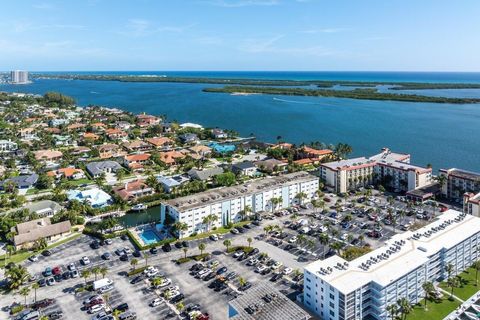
102	283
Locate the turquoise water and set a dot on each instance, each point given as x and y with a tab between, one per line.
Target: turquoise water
222	148
443	135
149	237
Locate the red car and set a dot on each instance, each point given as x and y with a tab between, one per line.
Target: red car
57	270
94	302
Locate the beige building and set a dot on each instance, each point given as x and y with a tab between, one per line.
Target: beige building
458	182
387	168
28	232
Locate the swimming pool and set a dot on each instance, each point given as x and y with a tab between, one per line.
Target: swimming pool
149	237
222	148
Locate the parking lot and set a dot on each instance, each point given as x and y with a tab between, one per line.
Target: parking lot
296	237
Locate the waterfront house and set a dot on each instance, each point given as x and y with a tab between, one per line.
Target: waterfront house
246	168
97	169
201	150
27	233
314	154
133	190
146	120
95	197
188	138
21	182
219	134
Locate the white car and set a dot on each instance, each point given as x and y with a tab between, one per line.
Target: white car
238	254
214	237
260	268
173	288
127	250
96	308
277	265
292	239
108	241
149	269
33	258
72	266
287	271
166	282
205	274
252	262
156	302
152	273
85	260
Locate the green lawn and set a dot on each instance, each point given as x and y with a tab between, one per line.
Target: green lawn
21	256
37	191
81	181
435	311
467	288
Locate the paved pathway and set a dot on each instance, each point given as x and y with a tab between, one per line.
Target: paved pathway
448	293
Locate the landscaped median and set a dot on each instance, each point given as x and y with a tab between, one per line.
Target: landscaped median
197	257
221	230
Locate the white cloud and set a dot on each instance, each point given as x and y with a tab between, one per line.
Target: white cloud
271	46
242	3
142	28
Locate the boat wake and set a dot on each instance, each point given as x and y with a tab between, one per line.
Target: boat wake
94	92
293	101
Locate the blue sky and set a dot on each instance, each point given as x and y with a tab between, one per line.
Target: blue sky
390	35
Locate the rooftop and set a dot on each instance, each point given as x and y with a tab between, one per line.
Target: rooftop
464	174
40	228
266	303
401	254
386	157
224	193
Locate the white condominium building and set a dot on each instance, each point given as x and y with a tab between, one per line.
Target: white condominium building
335	289
228	203
19	77
388	168
458	182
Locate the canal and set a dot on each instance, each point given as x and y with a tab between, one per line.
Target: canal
133	219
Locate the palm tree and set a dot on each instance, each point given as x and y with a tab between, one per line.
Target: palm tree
103	271
247	209
249	240
323	239
201	247
337	246
16	275
428	288
35	286
227	243
301	196
95	270
85	274
449	269
134	263
145	256
185	250
180	227
157	281
452	283
25	291
392	309
405	307
116	313
208	220
476	266
241	281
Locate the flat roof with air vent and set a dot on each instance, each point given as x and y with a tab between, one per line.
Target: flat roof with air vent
400	255
224	193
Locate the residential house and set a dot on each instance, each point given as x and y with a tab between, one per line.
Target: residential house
27	134
48	155
21	182
160	142
246	168
98	126
64	141
136	161
110	150
201	150
80	151
52	130
90	136
137	146
76	127
27	233
95	197
170	183
205	174
170	157
315	154
98	168
188	138
146	120
115	134
133	190
44	208
7	146
271	165
67	173
219	134
58	122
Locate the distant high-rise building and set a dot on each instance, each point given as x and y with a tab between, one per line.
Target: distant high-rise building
19	77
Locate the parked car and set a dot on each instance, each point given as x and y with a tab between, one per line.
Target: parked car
33	258
167	247
106	256
85	260
156	302
153	250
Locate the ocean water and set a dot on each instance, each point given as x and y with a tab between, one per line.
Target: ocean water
444	135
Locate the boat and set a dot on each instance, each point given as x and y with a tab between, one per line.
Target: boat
139	207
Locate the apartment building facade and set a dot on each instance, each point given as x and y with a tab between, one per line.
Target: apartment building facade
388	168
228	203
336	289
